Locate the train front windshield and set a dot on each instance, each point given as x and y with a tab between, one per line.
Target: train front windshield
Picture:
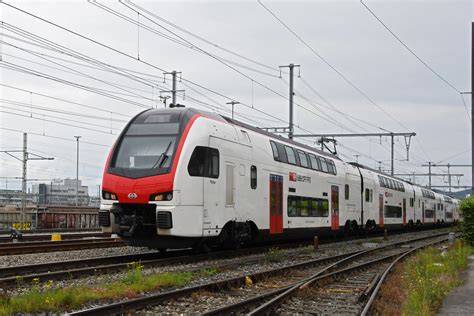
147	147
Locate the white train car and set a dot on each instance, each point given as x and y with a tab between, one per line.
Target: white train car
183	177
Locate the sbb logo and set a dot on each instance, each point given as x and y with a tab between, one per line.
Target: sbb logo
132	196
293	176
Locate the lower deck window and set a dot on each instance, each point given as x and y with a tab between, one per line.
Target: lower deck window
449	215
307	207
393	211
429	213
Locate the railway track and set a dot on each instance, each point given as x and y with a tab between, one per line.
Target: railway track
85	267
49	246
270	287
47	237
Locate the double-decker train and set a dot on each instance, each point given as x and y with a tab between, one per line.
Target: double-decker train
187	178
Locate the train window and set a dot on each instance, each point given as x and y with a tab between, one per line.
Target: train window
276	157
245	137
253	177
393	211
290	153
429	213
346	192
381	181
330	166
315	164
307	207
411	202
367	197
281	152
392	184
324	165
333	168
303	159
204	162
371	195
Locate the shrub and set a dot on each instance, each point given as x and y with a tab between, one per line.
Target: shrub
467	209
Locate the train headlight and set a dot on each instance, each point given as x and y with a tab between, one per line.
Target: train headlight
109	196
168	196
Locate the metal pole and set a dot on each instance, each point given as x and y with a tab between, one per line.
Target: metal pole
23	179
449	178
77	168
173	91
429	174
393	143
290	134
472	109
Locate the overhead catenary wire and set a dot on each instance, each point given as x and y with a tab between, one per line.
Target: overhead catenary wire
60	123
412	52
141	60
339	73
64	100
52	136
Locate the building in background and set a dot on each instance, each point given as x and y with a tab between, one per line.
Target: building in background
60	192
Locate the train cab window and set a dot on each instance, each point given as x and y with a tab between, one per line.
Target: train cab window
276	156
346	192
324	165
315	164
253	177
303	159
367	195
204	162
290	153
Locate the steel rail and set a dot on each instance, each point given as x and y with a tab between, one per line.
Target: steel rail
18	248
376	286
154	299
271	305
45	237
86	267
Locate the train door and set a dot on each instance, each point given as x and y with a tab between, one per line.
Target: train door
422	212
334	207
404	212
276	204
381	210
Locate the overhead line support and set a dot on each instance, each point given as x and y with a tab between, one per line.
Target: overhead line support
390	134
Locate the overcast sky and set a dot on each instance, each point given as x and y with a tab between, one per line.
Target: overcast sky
408	97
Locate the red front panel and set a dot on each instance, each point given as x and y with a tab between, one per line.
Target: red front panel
144	187
381	210
276	204
334	207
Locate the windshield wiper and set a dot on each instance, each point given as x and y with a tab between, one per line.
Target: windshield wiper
162	158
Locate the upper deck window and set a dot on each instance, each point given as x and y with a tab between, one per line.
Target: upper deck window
290	153
303	159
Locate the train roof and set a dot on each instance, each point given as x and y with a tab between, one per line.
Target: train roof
278	137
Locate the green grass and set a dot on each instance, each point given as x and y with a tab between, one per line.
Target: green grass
431	276
51	299
274	255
